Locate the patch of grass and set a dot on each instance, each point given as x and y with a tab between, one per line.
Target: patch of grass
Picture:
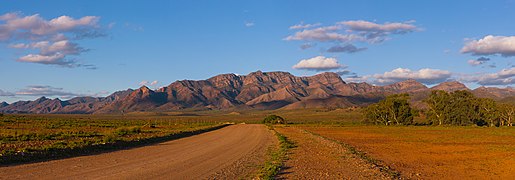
362	155
276	160
122	131
65	149
29	137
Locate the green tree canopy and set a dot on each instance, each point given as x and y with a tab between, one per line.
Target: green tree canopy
394	109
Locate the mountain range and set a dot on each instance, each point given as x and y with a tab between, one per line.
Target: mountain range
257	90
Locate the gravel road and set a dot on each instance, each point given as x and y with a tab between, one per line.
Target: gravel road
229	153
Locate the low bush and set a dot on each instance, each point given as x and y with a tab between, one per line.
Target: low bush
122	131
274	119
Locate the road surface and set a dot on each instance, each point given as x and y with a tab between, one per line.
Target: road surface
228	153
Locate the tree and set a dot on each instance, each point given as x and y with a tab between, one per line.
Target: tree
377	114
462	108
274	119
488	111
394	109
437	103
506	114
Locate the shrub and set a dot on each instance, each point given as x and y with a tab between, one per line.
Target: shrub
274	119
127	131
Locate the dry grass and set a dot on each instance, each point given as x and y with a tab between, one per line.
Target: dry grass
27	135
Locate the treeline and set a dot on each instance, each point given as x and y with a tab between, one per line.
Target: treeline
443	108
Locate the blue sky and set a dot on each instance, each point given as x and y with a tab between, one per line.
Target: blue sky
115	45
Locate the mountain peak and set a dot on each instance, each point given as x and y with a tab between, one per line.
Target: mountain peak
408	81
3	104
258	72
144	88
450	86
41	99
409	85
328	74
328	78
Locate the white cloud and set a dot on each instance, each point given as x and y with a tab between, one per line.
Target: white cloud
474	62
35	26
148	83
64	47
324	34
143	83
249	24
366	26
153	83
352	31
45	91
5	93
357	78
19	46
503	77
56	59
491	45
318	63
304	26
50	37
426	76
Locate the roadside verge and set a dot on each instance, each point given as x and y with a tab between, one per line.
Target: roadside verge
61	153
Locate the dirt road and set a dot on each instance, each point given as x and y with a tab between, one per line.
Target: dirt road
318	158
230	152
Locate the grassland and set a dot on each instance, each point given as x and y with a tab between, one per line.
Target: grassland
33	137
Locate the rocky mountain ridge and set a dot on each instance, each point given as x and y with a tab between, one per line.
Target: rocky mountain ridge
257	90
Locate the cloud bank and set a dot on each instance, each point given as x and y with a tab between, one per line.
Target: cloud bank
51	39
37	90
304	26
5	93
351	31
425	76
502	77
491	45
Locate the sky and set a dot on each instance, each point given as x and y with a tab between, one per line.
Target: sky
62	49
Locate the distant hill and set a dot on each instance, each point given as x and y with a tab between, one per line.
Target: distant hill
508	100
257	90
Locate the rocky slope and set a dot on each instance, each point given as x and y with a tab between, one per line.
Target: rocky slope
257	90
